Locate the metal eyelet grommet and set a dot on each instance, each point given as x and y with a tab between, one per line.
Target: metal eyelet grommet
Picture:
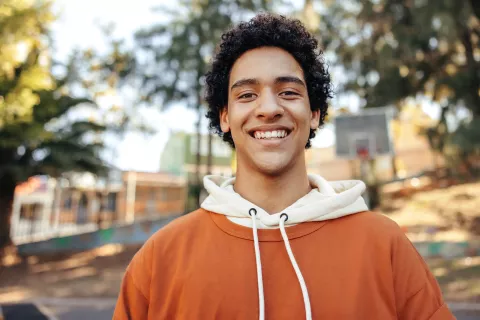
284	214
252	211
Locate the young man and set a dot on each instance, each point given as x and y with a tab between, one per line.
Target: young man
275	242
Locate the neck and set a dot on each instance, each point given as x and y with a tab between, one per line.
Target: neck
272	193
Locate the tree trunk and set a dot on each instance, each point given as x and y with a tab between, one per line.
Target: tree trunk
465	158
473	67
210	155
7	191
394	165
198	158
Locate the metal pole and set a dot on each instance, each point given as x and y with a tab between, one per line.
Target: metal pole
131	189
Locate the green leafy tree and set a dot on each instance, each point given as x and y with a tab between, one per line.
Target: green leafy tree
24	65
29	148
394	49
43	129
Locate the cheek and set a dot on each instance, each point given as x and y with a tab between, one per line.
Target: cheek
302	116
237	117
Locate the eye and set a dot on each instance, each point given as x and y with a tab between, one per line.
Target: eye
289	93
247	96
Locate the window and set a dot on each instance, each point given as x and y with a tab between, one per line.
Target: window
67	202
112	202
164	193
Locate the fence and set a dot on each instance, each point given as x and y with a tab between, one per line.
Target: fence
32	228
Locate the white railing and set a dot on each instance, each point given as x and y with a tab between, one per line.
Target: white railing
25	231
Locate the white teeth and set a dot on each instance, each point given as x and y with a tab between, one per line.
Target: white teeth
270	134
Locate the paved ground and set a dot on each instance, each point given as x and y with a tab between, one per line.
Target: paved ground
61	309
22	311
102	312
102	309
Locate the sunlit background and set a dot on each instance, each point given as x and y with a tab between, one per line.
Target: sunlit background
103	138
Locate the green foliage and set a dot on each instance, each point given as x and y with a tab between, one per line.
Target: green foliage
36	135
395	49
466	137
463	147
24	60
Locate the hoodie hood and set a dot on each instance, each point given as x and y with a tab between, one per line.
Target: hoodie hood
326	201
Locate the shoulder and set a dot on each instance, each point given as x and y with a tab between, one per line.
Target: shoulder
376	231
372	222
386	233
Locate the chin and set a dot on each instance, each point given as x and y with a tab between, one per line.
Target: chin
273	166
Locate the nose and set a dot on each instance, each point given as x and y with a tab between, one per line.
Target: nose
268	106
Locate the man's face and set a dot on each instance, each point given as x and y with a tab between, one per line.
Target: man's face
268	112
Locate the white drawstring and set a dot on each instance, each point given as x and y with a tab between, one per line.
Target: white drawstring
303	286
261	298
306	299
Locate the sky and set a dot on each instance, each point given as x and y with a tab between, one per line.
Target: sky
78	26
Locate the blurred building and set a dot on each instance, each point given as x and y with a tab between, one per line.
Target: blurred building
45	207
179	155
179	158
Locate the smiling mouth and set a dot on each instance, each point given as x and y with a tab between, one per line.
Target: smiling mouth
270	135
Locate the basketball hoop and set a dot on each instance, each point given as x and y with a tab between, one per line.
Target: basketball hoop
363	153
368	129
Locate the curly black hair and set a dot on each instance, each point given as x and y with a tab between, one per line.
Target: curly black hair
267	30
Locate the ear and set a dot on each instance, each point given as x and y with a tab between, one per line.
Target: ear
315	120
224	124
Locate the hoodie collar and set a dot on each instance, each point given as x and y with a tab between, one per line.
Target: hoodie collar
327	200
240	229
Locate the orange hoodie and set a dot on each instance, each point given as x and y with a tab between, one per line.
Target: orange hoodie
202	266
324	257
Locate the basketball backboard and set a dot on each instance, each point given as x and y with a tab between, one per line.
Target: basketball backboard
364	135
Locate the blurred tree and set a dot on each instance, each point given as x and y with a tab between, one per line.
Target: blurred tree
39	130
464	147
394	49
22	58
175	55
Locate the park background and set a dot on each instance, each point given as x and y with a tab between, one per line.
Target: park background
103	138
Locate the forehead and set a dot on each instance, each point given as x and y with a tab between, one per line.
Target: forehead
265	64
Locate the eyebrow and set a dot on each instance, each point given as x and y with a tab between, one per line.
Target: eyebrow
244	82
290	79
278	80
